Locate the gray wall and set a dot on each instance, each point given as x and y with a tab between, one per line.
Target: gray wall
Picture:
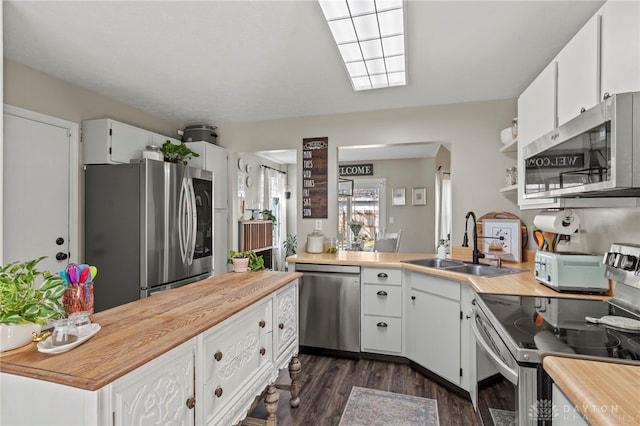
416	222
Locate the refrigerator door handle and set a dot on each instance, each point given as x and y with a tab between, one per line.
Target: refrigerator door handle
193	222
182	234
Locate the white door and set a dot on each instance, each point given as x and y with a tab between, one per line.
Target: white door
36	192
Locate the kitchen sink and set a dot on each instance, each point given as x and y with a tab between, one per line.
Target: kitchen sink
435	263
484	270
464	267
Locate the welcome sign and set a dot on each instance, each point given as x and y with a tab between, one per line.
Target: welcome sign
356	170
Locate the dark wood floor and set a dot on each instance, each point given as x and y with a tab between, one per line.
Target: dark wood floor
327	382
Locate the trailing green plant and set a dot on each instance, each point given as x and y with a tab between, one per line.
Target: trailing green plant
270	215
181	152
21	302
290	245
256	263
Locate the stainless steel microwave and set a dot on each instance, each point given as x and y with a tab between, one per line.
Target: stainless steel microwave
596	154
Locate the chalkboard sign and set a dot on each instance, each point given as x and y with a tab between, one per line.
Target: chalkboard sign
314	178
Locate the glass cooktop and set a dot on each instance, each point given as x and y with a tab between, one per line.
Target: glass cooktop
558	325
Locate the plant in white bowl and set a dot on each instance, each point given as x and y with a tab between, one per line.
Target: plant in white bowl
29	299
244	260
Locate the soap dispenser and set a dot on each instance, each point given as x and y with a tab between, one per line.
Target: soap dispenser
442	250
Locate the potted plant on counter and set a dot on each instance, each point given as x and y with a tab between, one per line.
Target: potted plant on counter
268	215
243	260
177	153
24	307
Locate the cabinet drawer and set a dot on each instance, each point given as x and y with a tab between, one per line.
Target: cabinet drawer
382	300
234	352
382	334
382	276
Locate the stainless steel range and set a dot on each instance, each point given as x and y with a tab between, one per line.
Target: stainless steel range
517	331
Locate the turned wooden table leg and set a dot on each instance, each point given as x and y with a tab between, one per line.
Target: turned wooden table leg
294	373
271	398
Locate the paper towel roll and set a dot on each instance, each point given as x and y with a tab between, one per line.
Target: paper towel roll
559	222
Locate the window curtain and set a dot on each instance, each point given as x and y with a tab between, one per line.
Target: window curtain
443	206
274	182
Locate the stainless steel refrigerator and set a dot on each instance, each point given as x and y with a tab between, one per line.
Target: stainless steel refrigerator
148	228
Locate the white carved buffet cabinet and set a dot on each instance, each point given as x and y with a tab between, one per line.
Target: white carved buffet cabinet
199	354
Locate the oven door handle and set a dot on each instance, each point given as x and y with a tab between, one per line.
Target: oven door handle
503	368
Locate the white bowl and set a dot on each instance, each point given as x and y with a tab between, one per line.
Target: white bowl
506	136
13	336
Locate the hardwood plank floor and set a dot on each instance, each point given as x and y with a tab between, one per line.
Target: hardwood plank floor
327	382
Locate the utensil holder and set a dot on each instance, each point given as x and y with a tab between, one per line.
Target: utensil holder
78	298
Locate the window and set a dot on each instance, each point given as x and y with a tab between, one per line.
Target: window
366	206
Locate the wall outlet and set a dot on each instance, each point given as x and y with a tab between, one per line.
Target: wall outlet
391	219
318	225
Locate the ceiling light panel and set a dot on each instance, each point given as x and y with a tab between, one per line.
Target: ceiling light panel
370	38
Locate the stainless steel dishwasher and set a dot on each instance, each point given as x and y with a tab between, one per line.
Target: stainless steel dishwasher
330	307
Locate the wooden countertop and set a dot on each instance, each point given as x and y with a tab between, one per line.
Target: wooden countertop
135	333
521	284
605	393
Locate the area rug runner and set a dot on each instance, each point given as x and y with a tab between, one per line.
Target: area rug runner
503	417
371	407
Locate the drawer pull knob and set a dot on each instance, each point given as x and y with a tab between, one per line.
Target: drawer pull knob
383	275
582	110
281	326
218	392
381	293
382	324
191	402
262	324
413	298
218	356
263	351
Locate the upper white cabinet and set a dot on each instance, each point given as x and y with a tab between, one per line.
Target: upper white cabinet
214	159
537	115
579	72
620	47
106	141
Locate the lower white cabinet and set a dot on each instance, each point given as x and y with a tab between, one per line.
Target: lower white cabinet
381	296
285	333
433	324
159	392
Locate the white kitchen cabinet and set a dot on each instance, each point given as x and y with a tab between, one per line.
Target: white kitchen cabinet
159	140
433	322
214	159
537	115
106	141
579	72
620	47
381	321
160	392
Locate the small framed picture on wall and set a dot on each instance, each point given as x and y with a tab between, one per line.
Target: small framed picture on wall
398	198
419	196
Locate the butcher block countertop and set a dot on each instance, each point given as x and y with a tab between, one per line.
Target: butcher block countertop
522	284
134	334
605	393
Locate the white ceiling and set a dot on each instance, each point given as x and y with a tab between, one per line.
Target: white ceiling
210	62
